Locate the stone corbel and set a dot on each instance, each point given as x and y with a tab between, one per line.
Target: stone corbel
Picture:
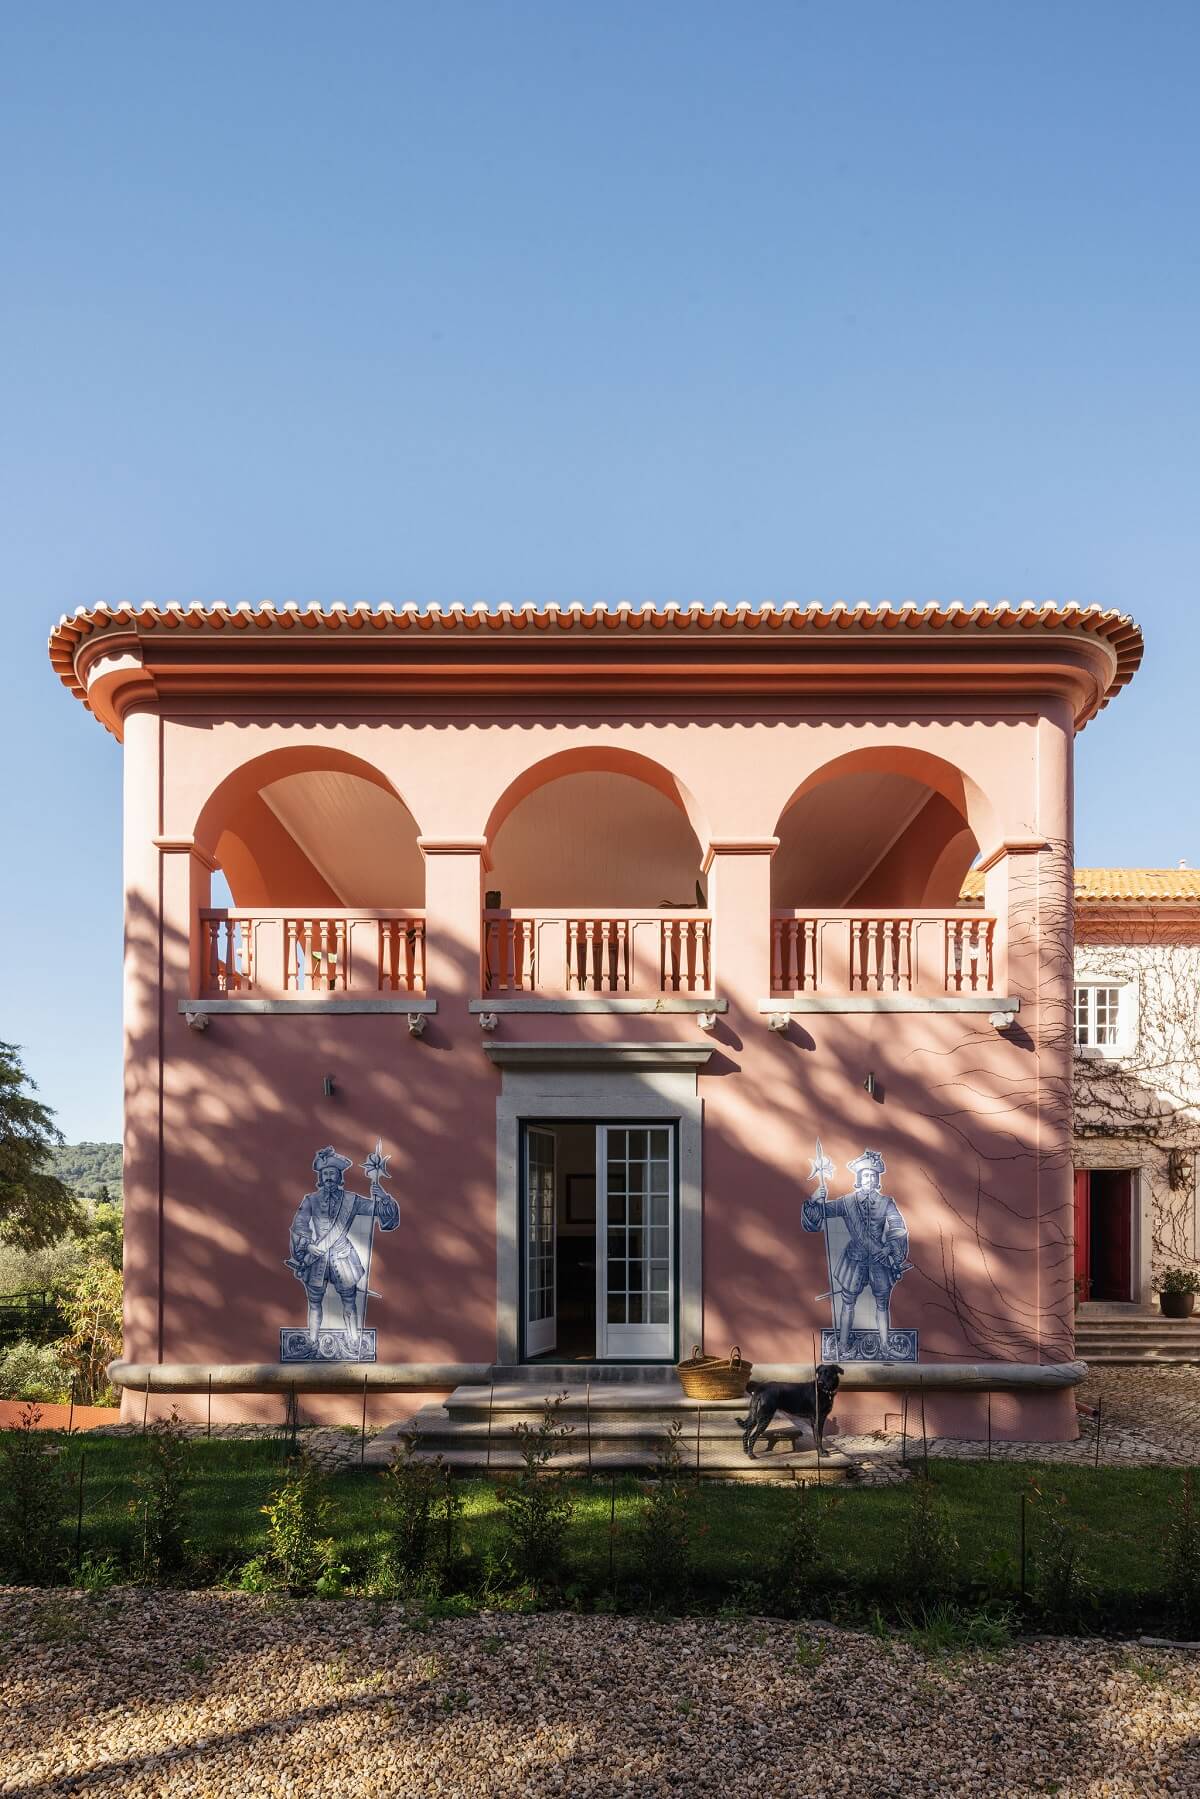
488	1021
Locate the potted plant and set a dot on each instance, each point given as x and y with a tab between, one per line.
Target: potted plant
1177	1290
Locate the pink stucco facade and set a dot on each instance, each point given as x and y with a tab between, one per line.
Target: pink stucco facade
759	830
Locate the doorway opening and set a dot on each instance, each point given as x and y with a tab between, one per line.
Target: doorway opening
600	1231
1104	1233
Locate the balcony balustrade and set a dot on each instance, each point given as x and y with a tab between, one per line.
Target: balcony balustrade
563	952
566	952
867	951
273	955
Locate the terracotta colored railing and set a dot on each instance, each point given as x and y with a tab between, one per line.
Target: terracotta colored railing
274	954
866	951
570	951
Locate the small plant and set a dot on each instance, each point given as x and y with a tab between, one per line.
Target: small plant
420	1522
930	1548
808	1655
744	1599
1060	1588
34	1503
1183	1555
535	1505
97	1573
947	1629
664	1538
161	1503
1178	1280
798	1568
298	1550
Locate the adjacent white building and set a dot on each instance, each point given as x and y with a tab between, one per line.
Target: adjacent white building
1137	1078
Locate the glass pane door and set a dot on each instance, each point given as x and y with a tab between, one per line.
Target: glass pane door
635	1242
541	1322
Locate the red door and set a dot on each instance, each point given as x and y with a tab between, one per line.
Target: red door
1083	1234
1110	1255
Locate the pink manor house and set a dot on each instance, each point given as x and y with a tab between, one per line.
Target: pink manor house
568	987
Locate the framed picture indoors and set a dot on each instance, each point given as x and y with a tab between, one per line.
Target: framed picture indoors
581	1199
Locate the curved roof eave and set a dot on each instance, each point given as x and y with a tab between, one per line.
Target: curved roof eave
1118	631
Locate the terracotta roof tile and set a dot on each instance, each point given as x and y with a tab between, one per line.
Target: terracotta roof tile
1135	886
1120	631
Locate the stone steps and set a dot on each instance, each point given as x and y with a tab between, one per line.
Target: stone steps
1137	1339
627	1423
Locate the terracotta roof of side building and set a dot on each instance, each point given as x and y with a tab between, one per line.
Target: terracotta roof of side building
1116	886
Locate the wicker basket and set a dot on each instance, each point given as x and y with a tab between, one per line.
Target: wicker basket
708	1377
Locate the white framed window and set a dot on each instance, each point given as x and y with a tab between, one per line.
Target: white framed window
1104	1018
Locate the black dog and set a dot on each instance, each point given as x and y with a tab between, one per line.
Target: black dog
799	1399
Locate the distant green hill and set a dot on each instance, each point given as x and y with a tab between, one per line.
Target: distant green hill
86	1167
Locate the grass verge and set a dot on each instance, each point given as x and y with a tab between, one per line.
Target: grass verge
1118	1517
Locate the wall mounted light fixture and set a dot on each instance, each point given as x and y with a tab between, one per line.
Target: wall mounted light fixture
329	1087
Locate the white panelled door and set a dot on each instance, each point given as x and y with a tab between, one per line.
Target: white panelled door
635	1242
541	1320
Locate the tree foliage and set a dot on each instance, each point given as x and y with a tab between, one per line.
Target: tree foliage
35	1206
93	1308
92	1170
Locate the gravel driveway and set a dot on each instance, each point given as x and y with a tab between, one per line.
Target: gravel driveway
196	1694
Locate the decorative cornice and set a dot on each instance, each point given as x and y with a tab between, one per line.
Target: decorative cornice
117	657
452	846
170	846
737	846
1017	846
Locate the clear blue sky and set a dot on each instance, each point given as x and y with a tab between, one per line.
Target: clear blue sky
533	301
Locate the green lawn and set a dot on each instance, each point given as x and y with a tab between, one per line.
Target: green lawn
1122	1517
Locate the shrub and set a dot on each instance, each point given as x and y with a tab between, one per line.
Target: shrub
298	1550
535	1505
33	1371
161	1502
1059	1587
420	1524
1183	1555
930	1548
664	1538
798	1571
1178	1280
35	1497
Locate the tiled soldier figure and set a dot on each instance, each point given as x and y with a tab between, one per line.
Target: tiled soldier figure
322	1236
873	1253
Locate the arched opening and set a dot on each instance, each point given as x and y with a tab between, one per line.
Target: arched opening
320	878
596	867
889	828
597	839
312	827
865	886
